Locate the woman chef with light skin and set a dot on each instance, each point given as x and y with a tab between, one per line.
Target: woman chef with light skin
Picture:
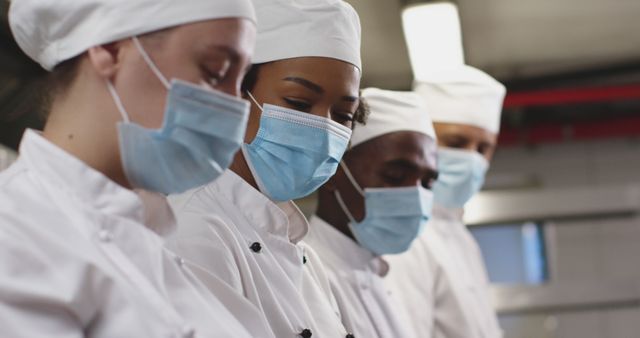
377	204
442	280
243	228
139	85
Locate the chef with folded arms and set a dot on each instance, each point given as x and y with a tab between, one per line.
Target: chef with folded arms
244	228
144	95
377	204
442	279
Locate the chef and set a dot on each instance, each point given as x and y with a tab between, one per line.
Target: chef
140	90
377	204
244	228
442	279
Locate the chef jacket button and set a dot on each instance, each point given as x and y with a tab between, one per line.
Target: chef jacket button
306	333
105	235
180	261
304	259
256	247
350	335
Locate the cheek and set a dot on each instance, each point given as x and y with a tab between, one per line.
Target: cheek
325	111
489	155
143	97
253	125
352	198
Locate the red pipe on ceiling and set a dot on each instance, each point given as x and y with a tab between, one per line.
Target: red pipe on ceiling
555	133
553	97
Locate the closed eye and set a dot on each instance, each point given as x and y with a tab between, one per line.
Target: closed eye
299	105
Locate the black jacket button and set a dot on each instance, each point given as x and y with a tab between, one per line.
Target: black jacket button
350	335
256	247
306	333
304	259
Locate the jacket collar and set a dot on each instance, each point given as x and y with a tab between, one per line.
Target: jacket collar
335	246
68	174
446	220
282	219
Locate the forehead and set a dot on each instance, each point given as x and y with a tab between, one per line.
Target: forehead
330	73
234	33
477	134
404	145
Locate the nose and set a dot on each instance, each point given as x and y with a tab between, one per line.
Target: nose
231	88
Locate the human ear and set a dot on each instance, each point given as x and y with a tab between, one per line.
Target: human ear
106	59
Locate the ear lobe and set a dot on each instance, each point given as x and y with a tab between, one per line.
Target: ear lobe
106	59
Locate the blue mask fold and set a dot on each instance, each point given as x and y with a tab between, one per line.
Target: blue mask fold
394	217
294	153
461	176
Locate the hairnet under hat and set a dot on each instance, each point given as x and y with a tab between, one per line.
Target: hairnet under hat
52	31
392	111
463	95
305	28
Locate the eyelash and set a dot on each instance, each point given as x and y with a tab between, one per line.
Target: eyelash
344	116
298	105
393	179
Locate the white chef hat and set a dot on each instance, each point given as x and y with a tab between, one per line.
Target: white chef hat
392	111
463	95
305	28
52	31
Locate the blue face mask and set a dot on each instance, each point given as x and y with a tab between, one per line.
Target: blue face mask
394	217
461	175
201	132
294	153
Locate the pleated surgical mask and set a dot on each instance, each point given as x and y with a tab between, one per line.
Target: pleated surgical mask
294	153
201	132
394	217
461	175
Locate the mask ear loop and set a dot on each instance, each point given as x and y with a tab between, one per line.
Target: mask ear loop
338	196
255	101
344	208
118	102
150	63
351	178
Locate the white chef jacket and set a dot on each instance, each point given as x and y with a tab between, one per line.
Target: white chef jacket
356	277
443	283
230	230
7	156
76	259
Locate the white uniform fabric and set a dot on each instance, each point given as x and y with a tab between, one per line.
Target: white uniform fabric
306	28
443	283
356	277
7	156
231	231
463	95
52	31
79	262
393	111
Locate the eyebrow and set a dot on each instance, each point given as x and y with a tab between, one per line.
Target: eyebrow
317	88
410	165
403	163
305	83
351	99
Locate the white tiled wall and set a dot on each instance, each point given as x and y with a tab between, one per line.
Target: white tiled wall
602	249
571	164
